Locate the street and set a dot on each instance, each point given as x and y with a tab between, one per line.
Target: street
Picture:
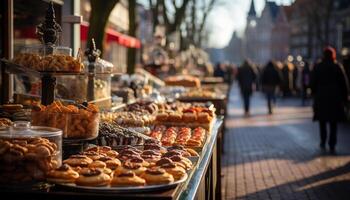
278	157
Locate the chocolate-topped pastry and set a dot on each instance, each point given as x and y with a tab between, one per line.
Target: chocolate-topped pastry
163	161
63	174
153	147
138	159
137	168
151	156
127	178
172	153
128	147
93	177
92	154
173	169
156	175
182	160
78	160
130	165
176	147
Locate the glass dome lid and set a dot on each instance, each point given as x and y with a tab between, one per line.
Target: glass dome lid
24	129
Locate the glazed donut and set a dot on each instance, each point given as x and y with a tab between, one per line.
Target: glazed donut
155	176
127	178
64	174
92	177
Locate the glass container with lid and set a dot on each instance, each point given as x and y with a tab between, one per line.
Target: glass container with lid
28	152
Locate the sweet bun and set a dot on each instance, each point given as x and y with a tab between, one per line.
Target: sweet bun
64	174
93	177
177	172
156	176
97	164
78	161
127	178
137	168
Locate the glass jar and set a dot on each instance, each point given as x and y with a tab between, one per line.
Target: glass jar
28	152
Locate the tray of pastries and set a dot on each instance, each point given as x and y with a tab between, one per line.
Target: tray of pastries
192	117
128	169
184	136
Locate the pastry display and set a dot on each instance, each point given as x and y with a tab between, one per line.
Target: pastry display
113	135
182	136
156	175
199	93
4	122
76	121
191	117
55	63
128	119
27	159
78	161
142	106
127	179
183	80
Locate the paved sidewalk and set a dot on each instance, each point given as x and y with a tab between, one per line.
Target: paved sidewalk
277	156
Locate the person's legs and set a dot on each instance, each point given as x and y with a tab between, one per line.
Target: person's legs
333	136
246	102
323	134
269	102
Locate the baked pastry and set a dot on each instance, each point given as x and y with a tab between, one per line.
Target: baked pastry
137	168
155	147
127	178
192	152
93	177
189	117
64	174
156	176
177	172
78	161
111	163
97	164
92	154
151	156
182	161
138	159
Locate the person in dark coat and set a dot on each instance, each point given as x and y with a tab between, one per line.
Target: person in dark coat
330	92
305	79
246	77
270	79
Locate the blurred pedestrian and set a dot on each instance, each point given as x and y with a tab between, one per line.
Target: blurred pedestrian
330	91
219	70
305	82
270	80
246	77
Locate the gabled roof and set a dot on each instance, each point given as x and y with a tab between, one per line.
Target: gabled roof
273	8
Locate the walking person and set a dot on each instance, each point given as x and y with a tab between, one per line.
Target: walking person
246	77
270	79
330	91
305	82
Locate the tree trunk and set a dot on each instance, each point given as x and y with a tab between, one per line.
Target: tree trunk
100	11
132	32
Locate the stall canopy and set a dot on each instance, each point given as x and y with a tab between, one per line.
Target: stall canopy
112	36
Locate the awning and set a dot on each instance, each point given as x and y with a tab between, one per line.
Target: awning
112	36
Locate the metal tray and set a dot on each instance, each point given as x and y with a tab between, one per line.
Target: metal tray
111	189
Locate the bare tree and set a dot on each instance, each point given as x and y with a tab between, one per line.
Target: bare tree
100	11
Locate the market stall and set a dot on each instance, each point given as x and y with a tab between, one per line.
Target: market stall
68	140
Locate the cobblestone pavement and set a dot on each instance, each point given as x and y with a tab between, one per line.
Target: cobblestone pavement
277	156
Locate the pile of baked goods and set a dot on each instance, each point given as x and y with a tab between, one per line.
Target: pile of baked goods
101	166
55	63
4	122
14	112
128	119
27	159
113	135
192	117
76	121
143	106
199	93
179	136
183	80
